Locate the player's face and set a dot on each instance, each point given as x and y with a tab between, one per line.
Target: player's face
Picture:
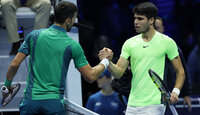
141	23
159	26
103	82
69	26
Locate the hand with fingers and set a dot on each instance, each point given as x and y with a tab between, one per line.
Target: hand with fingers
174	98
6	90
106	53
8	93
187	101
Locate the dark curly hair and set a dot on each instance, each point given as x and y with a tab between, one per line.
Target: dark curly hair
146	8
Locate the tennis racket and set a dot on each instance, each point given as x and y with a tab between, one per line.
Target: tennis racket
8	94
163	89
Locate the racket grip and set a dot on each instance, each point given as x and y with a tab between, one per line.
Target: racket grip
4	89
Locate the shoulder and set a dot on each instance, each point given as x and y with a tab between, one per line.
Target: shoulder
36	31
133	41
75	46
34	34
164	37
165	40
95	96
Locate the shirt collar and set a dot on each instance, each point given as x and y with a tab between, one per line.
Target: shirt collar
58	28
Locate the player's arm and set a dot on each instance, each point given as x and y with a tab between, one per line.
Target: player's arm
179	79
92	73
117	70
179	72
13	67
186	89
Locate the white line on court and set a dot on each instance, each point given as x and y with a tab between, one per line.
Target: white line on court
4	56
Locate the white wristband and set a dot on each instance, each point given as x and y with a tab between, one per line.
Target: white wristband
176	90
4	89
105	62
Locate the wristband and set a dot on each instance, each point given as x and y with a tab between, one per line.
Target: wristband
105	62
4	89
7	82
176	90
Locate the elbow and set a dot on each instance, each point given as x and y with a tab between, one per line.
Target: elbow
90	79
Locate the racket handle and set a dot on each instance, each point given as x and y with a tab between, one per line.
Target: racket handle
4	89
174	112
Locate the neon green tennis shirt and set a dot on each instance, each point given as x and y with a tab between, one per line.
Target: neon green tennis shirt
51	51
144	56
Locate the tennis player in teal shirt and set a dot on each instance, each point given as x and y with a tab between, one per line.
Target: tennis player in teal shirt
51	51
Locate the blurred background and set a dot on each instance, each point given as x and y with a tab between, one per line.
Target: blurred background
112	22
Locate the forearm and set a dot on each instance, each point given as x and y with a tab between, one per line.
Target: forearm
12	70
97	71
90	74
115	70
13	67
180	79
186	89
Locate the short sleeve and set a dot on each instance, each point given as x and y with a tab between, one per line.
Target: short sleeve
78	55
125	51
171	49
25	47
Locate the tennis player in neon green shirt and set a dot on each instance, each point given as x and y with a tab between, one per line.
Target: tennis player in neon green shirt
51	51
146	51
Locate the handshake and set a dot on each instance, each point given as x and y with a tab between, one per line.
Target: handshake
105	53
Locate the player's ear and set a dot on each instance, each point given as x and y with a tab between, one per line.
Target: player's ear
151	20
68	20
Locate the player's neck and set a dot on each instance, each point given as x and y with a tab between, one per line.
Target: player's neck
107	91
61	25
147	36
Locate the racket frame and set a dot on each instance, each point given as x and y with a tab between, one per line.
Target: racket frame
163	89
13	93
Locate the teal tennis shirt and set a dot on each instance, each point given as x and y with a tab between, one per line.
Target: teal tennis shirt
144	56
51	51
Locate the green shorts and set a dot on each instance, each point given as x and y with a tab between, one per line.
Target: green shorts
42	107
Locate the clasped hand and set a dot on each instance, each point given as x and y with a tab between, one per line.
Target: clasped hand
105	53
